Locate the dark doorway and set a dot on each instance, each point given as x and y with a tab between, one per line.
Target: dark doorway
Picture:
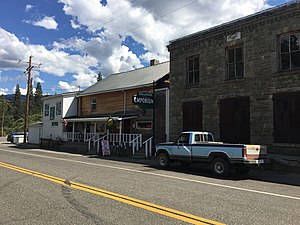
286	108
192	116
235	120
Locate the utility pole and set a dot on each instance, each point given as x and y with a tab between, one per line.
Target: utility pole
28	71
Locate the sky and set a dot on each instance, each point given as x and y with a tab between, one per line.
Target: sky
71	41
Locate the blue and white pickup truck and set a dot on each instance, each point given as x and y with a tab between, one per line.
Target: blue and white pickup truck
195	146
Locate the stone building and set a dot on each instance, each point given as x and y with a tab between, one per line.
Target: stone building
240	80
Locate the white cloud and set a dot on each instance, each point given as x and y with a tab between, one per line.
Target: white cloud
149	23
152	24
47	22
3	91
28	8
23	91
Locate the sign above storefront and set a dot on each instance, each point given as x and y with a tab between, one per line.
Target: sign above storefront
143	99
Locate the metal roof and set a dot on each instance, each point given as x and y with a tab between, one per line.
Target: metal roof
128	80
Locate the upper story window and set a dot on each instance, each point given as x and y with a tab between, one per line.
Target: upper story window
52	113
289	51
93	103
46	110
193	73
235	62
58	108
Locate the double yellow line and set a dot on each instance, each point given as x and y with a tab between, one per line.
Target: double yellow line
189	218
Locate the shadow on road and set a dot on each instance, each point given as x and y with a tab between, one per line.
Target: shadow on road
198	169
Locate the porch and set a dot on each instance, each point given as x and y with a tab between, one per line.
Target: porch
120	141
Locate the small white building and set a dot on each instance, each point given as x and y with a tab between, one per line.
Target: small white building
35	132
55	108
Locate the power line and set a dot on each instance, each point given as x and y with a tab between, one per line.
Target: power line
156	18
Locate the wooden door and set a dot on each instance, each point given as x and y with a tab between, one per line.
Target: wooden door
235	120
192	116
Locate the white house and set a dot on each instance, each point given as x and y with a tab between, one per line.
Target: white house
55	108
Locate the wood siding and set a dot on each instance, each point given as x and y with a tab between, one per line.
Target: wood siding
111	102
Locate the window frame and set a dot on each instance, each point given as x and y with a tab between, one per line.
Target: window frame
58	108
47	109
93	103
235	63
195	78
52	112
289	52
139	127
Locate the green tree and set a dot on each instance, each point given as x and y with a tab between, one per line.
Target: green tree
17	104
99	78
38	104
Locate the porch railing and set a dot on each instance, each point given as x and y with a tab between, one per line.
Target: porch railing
148	146
78	136
94	139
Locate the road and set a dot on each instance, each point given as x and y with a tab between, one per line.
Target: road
44	187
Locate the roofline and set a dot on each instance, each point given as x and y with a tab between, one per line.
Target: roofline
116	74
74	93
116	90
225	25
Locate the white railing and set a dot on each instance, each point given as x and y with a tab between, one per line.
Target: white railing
92	140
78	136
148	146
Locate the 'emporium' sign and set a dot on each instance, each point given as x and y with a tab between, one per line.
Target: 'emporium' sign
143	99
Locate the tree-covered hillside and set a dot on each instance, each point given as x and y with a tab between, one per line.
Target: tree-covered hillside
12	110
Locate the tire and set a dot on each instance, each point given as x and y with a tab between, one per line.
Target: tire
163	160
220	167
242	170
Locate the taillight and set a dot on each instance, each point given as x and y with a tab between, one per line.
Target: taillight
244	152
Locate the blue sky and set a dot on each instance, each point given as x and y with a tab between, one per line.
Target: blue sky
75	39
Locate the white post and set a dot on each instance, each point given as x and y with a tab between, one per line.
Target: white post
120	132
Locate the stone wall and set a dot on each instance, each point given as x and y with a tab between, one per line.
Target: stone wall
262	75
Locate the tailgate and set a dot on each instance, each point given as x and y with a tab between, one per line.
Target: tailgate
254	152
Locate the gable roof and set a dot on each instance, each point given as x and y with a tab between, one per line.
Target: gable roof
129	80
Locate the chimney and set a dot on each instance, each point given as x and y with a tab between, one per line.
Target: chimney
153	62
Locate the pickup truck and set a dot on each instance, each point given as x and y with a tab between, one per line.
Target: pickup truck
195	146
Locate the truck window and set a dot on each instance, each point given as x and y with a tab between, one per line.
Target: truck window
183	139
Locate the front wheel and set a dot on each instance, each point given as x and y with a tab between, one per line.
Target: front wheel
163	160
220	167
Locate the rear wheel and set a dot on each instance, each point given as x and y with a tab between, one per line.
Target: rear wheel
163	160
220	167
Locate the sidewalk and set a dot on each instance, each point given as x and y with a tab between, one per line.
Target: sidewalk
284	163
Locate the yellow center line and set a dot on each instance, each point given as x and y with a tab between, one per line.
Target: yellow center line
189	218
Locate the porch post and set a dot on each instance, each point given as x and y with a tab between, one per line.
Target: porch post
73	131
95	130
120	132
84	132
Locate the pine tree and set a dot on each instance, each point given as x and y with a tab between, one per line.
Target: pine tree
17	104
99	78
38	98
